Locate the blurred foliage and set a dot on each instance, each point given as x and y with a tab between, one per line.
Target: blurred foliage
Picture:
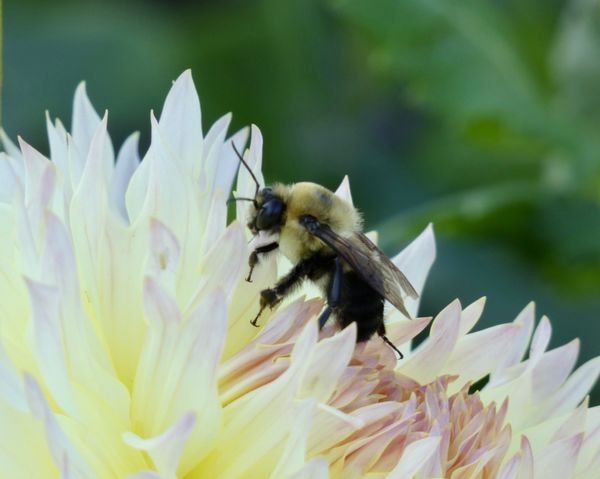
481	116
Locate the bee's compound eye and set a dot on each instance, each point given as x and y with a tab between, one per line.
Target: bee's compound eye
270	214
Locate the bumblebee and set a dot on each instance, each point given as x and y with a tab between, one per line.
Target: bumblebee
321	234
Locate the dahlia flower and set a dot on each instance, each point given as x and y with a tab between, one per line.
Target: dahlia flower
126	348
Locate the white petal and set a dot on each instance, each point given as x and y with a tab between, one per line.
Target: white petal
415	262
59	149
165	450
8	179
414	457
60	446
177	370
222	265
48	347
84	128
11	388
316	468
165	252
246	187
9	147
181	122
327	363
213	146
294	454
343	190
128	160
229	161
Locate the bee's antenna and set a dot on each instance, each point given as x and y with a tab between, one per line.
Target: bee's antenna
248	168
233	198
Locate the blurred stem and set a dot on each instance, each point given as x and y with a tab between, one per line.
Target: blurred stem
468	205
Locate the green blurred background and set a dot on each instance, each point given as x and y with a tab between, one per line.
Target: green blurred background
480	116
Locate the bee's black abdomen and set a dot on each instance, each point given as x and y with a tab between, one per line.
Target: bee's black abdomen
361	304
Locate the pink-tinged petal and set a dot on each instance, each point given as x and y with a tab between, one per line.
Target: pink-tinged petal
266	409
553	369
181	122
61	448
165	450
414	457
128	160
9	147
575	423
343	190
526	470
515	353
476	354
229	162
293	457
255	364
399	332
84	128
335	426
559	459
429	358
246	187
510	470
570	394
415	262
540	341
589	457
327	363
317	468
471	315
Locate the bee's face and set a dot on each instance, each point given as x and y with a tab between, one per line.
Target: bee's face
269	211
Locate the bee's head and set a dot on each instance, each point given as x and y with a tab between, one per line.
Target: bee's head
268	211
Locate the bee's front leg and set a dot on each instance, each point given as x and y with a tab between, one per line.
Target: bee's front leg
253	259
272	296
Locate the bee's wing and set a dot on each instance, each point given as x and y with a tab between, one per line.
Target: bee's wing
366	259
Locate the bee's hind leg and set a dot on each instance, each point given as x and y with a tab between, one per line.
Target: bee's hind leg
381	333
335	292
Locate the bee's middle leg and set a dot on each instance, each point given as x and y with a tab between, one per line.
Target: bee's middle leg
335	292
253	259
